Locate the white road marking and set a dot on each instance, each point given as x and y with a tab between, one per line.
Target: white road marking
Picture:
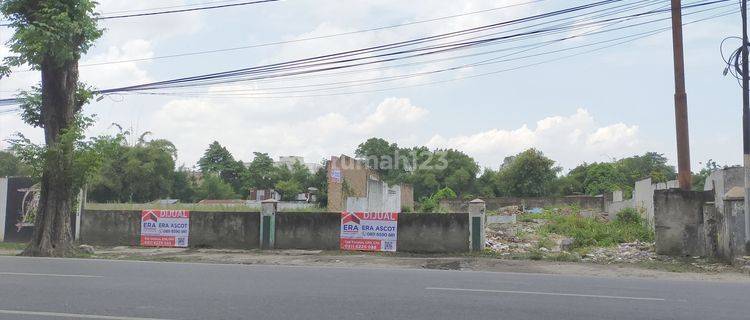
49	275
71	315
547	294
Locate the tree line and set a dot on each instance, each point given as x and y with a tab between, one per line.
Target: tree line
449	173
145	170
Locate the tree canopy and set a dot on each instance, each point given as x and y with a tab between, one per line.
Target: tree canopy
11	165
218	160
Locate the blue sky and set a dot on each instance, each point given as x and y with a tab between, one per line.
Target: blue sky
594	107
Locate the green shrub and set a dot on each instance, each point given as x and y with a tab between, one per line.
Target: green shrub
545	242
588	232
432	203
629	215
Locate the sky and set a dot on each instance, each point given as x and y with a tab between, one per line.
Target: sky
599	106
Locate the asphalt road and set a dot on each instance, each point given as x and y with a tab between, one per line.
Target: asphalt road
32	288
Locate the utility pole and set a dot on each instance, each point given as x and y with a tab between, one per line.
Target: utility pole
680	100
746	122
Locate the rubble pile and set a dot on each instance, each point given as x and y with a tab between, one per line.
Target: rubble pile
744	264
524	237
519	237
509	211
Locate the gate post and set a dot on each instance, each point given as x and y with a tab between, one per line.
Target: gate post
3	206
268	210
477	218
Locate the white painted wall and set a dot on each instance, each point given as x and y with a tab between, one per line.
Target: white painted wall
380	198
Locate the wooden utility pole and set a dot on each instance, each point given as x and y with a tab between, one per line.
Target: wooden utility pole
680	100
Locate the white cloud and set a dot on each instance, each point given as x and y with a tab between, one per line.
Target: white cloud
194	123
393	112
567	139
118	74
615	134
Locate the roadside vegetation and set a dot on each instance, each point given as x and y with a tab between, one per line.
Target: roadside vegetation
627	226
587	232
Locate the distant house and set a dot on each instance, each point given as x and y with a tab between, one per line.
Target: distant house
289	161
257	195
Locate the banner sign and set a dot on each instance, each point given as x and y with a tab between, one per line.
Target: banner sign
165	228
369	231
336	175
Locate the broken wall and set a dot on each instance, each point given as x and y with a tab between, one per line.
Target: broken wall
679	222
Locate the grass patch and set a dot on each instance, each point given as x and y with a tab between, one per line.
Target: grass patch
676	267
189	206
590	232
12	246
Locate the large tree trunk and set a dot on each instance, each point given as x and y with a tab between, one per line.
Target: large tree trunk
52	234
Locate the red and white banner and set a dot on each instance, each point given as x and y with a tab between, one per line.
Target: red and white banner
165	228
369	231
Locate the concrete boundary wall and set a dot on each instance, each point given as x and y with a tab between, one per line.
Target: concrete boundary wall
236	230
417	232
642	199
597	203
307	230
433	232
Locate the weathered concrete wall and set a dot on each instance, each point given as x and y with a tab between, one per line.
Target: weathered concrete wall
730	216
721	181
352	186
433	232
238	230
615	207
417	232
584	202
642	199
111	228
678	218
307	230
353	181
407	196
732	230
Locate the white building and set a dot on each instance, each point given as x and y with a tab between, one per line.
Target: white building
289	161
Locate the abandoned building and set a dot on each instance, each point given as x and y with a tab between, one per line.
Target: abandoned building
352	186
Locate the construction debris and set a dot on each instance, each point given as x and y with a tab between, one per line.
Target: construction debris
524	237
625	252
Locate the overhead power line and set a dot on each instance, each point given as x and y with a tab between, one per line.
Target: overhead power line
344	59
274	94
275	43
363	51
184	10
302	66
155	13
168	7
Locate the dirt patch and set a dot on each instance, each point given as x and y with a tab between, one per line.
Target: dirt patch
443	265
